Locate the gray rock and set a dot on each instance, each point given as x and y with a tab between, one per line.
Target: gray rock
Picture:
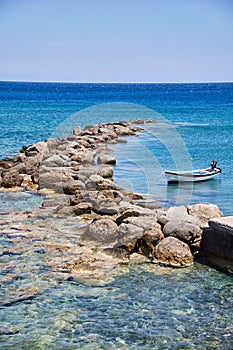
77	156
128	233
172	214
105	172
145	222
108	132
34	150
64	211
104	202
56	161
103	231
88	157
11	178
106	209
125	206
185	231
204	212
171	251
52	143
53	180
106	184
31	165
106	159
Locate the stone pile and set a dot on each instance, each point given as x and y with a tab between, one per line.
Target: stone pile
75	176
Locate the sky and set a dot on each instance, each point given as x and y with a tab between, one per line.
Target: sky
116	40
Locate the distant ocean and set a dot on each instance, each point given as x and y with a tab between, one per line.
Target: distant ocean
200	114
148	306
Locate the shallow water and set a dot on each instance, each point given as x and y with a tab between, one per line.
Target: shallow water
19	200
147	306
141	164
150	307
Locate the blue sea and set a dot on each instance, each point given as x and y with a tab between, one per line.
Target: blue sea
149	307
195	126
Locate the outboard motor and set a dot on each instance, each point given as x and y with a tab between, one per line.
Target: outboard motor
213	165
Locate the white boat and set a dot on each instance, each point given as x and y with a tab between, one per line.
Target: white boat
193	175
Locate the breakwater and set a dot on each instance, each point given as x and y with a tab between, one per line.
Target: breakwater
103	226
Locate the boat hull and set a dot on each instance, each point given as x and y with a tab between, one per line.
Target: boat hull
194	176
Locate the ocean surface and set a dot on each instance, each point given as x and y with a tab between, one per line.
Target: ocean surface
149	307
195	126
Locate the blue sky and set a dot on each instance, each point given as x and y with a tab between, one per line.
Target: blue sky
116	40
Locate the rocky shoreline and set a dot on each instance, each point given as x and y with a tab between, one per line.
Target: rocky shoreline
87	228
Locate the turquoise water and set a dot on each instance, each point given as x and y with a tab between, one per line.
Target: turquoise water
140	167
150	307
146	307
201	115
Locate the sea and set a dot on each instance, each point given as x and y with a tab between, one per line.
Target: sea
149	307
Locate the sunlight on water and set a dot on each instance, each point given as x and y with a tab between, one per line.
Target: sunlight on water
150	307
147	306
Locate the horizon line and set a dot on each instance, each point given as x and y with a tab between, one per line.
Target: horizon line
116	82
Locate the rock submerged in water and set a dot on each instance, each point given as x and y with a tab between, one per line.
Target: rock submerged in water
79	189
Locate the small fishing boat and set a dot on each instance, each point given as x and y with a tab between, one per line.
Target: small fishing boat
193	175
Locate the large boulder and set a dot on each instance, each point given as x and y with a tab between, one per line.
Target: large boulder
174	214
31	165
53	180
88	157
52	144
126	206
34	150
102	231
104	202
98	183
106	159
171	251
128	236
185	231
204	212
11	178
105	172
145	222
56	161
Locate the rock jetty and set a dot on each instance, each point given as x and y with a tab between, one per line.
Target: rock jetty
87	227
